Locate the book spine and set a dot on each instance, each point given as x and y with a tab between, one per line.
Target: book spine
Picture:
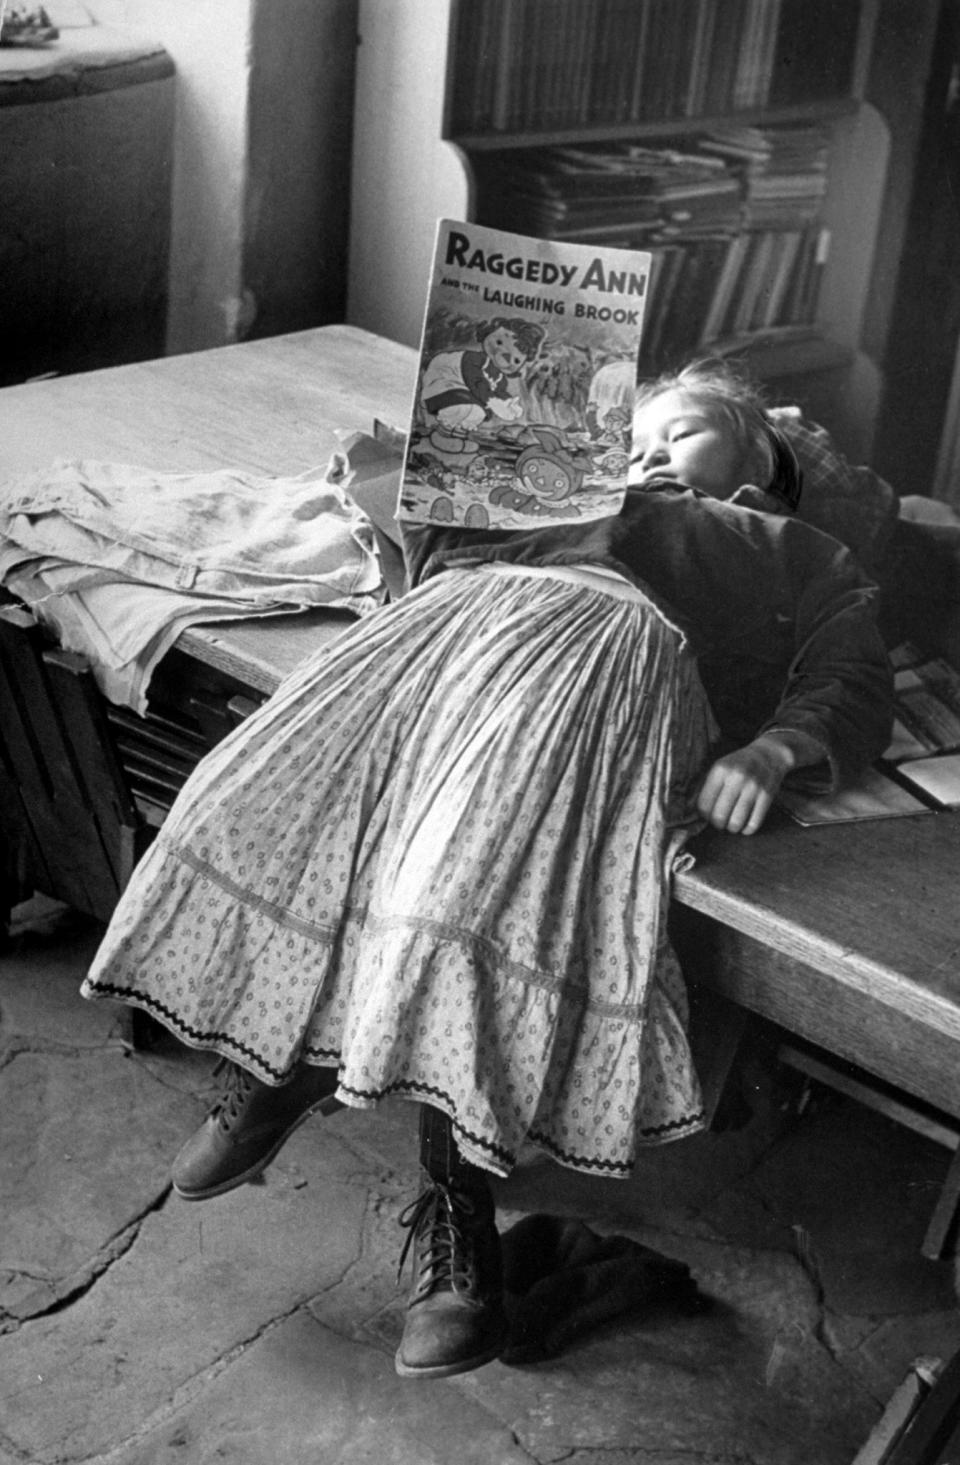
723	64
505	64
714	325
767	51
700	59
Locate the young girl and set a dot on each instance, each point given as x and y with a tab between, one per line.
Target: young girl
436	864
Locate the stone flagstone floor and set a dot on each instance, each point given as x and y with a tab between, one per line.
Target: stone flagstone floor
259	1328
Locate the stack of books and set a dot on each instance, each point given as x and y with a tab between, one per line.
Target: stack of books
617	193
783	171
731	219
771	275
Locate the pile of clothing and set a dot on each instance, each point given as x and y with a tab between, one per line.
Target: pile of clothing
119	560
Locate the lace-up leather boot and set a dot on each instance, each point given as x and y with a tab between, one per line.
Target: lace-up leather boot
247	1127
455	1317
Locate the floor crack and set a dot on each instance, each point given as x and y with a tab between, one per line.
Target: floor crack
187	1392
13	1452
19	1047
53	1297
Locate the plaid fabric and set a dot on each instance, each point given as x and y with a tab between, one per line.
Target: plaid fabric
850	502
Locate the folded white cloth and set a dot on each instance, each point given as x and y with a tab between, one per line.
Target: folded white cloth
118	560
265	540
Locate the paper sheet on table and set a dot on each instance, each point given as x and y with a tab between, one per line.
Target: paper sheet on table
938	777
875	796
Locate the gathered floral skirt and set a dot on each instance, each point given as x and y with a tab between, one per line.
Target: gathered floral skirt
438	859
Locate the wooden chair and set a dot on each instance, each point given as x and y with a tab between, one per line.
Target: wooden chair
85	784
73	829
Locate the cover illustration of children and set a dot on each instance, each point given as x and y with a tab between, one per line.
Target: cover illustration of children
506	425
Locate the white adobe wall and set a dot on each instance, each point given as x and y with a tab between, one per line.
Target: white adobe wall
209	42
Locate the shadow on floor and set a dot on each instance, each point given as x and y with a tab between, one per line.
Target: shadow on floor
260	1326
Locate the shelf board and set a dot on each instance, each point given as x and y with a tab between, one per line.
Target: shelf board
788	351
487	141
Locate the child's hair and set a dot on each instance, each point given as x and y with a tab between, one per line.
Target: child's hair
739	403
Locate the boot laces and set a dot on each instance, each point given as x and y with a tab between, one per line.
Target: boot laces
445	1256
235	1085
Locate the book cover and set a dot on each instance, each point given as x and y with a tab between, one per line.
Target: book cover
522	409
874	796
908	780
927	705
938	778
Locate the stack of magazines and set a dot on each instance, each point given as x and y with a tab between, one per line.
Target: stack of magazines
620	194
731	221
783	171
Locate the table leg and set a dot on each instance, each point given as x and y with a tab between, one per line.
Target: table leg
940	1232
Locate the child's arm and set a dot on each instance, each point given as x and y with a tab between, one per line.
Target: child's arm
835	710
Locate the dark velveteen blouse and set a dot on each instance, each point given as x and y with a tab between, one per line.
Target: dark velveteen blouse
779	615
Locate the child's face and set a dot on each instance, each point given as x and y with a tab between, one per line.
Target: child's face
677	437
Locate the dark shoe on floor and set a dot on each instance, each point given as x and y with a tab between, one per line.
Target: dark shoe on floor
455	1318
247	1127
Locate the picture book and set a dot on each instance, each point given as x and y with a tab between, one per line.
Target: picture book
523	406
874	796
919	772
938	778
927	706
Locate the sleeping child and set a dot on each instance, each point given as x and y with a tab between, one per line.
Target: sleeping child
436	864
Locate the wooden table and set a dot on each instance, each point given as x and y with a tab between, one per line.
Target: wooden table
273	406
846	936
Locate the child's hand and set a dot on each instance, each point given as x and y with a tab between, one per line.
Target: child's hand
740	787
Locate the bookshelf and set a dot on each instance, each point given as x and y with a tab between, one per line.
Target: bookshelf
746	143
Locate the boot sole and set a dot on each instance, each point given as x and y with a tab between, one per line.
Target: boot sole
447	1370
325	1106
